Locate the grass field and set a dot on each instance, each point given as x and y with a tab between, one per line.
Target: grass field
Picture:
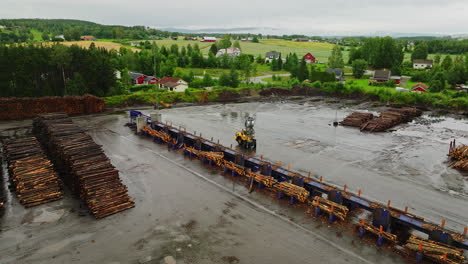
98	44
320	50
37	34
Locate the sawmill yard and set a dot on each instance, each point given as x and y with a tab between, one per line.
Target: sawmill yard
193	214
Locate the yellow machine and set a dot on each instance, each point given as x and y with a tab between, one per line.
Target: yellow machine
246	137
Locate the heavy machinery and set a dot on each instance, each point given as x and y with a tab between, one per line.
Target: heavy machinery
246	137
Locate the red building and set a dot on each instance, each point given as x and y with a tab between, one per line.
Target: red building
309	58
87	38
420	87
140	79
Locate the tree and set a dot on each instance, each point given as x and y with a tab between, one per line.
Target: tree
61	58
302	71
420	52
234	78
236	44
224	80
359	68
213	49
336	58
436	86
437	59
77	85
274	64
255	39
225	42
207	80
447	62
45	36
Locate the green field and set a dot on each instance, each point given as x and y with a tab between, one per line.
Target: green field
37	34
320	50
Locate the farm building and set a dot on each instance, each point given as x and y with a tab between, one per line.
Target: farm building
141	79
62	37
208	39
302	40
422	64
231	52
88	38
420	87
309	58
381	76
190	38
173	84
339	75
397	79
269	56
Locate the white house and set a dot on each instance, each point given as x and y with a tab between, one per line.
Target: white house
269	56
208	39
231	52
173	84
422	64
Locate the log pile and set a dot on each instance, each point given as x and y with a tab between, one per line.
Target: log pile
379	232
234	167
268	181
86	170
460	155
390	118
357	119
436	251
292	190
155	133
17	108
328	206
32	175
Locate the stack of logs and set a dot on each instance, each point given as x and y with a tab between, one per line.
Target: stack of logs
268	181
357	119
460	155
16	108
32	175
82	163
386	120
293	191
328	206
155	133
436	251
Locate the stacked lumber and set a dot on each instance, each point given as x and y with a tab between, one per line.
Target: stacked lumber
86	170
240	170
436	251
292	190
268	181
356	119
31	173
379	232
390	118
216	157
460	155
328	206
17	108
155	133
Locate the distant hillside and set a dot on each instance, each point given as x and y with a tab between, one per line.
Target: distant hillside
73	29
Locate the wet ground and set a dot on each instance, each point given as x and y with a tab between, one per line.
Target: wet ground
195	215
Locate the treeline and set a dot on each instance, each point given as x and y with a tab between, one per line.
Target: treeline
73	29
162	60
448	46
33	71
380	53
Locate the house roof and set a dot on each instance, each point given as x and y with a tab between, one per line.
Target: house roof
421	85
273	54
337	71
309	55
166	80
87	37
420	61
135	75
171	84
149	78
380	74
209	38
231	51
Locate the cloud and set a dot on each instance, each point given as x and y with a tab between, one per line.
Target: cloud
298	16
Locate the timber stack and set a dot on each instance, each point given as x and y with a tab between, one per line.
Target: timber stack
460	156
386	120
357	119
17	108
31	173
86	170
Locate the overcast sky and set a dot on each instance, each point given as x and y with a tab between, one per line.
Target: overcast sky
323	17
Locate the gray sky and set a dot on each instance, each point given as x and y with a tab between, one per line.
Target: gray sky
321	17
